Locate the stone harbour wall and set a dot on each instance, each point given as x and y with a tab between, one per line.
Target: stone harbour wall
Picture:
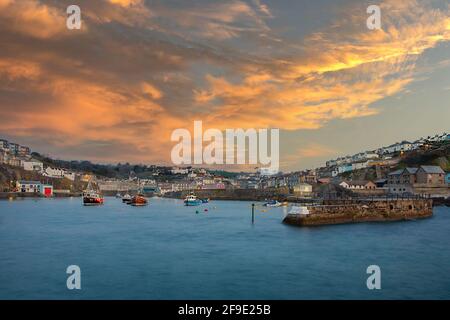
391	210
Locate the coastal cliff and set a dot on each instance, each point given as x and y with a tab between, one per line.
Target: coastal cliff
392	210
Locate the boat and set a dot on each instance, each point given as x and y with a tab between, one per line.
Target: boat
192	200
91	196
272	203
138	201
206	200
118	195
126	198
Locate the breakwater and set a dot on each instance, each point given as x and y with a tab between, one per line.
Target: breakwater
337	212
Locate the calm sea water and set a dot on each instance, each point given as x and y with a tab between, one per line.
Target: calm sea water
167	251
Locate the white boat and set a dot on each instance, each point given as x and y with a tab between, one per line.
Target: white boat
272	203
299	210
192	200
126	198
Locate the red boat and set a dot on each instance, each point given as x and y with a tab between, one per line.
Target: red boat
91	197
138	201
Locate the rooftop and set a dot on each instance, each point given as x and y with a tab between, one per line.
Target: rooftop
432	169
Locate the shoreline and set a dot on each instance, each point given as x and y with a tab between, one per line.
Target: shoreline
227	197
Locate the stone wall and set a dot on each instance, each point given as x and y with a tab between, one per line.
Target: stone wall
390	210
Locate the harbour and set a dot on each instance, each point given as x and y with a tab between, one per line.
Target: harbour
134	253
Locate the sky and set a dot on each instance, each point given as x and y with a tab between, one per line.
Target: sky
115	90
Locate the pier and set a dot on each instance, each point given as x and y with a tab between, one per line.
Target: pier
352	211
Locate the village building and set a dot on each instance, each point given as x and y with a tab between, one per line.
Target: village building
407	180
408	176
35	187
4	145
395	182
214	186
302	190
3	157
31	165
13	161
358	185
176	170
432	176
23	151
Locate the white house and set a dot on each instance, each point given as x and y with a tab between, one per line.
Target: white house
54	172
344	184
371	155
176	170
360	165
32	165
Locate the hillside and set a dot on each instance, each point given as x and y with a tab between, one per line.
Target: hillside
8	175
437	154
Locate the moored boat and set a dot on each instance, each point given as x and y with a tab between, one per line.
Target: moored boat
91	196
126	198
272	203
138	201
192	200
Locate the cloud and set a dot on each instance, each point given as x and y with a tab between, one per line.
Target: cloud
32	18
141	69
126	3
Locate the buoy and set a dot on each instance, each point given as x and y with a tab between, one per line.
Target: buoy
196	211
206	210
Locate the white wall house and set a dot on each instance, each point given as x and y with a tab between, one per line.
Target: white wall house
32	165
54	172
344	185
176	170
360	165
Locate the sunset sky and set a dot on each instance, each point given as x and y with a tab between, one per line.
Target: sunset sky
138	69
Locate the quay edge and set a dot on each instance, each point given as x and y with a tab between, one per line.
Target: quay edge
375	211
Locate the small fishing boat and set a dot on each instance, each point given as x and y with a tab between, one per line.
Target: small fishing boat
138	201
272	203
92	196
126	198
206	200
118	195
192	200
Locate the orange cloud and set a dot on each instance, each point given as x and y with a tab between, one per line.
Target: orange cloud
30	17
139	72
